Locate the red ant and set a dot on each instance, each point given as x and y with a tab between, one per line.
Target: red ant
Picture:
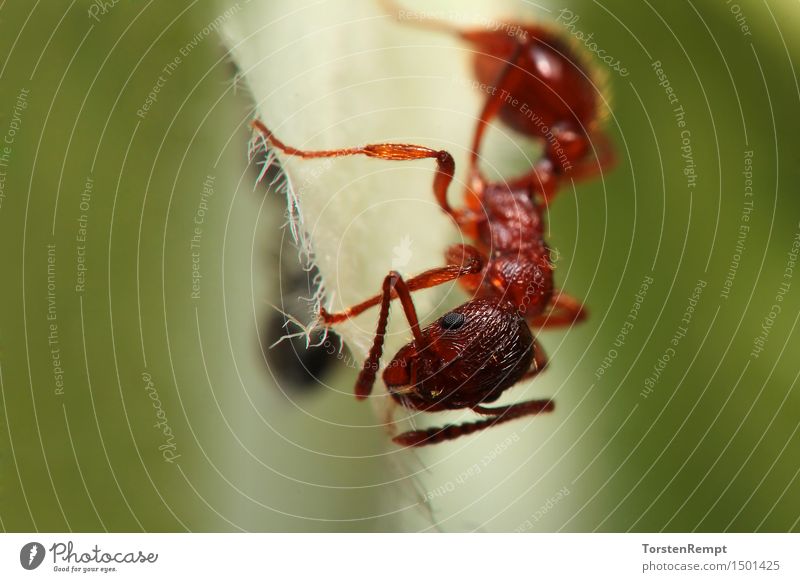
472	354
542	86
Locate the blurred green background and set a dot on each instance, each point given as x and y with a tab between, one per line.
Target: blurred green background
711	444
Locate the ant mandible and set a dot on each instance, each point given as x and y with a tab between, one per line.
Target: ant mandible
472	354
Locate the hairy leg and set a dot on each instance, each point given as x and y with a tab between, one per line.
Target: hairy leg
465	260
563	310
445	165
392	282
499	415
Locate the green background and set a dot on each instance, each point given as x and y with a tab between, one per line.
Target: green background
714	447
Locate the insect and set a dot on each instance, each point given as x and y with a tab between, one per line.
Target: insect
472	354
541	85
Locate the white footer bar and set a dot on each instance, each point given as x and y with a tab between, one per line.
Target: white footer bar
406	557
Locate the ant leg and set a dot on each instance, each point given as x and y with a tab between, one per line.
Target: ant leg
393	282
506	81
499	415
445	165
539	362
463	260
563	310
591	166
547	173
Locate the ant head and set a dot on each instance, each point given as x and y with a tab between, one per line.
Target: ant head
470	355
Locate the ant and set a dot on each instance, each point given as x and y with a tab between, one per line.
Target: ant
472	354
542	86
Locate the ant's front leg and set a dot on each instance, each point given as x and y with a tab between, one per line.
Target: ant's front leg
463	260
395	286
563	310
392	283
499	415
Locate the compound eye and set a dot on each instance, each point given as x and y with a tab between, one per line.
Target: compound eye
453	320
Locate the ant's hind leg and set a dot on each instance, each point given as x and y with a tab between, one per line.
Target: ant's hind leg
563	310
395	286
499	415
508	79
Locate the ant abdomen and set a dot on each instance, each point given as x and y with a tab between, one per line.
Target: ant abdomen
556	85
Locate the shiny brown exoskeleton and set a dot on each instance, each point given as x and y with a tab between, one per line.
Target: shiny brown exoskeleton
540	83
472	354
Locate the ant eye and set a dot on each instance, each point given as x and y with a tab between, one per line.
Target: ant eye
453	320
